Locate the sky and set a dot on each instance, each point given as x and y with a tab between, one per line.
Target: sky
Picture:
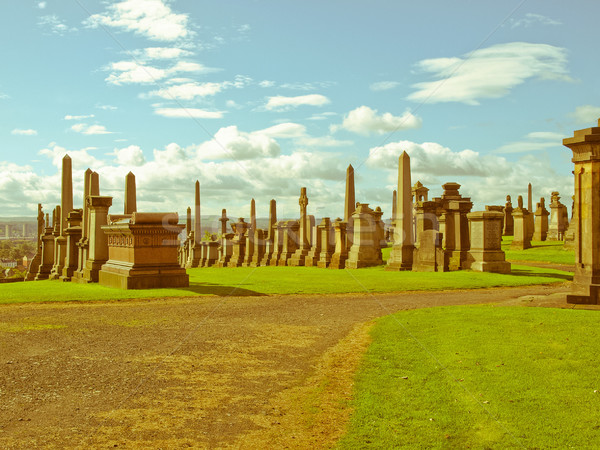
257	98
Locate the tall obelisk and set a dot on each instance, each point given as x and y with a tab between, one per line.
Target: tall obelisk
401	256
66	206
130	194
349	205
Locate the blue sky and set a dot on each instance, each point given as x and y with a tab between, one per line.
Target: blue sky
259	98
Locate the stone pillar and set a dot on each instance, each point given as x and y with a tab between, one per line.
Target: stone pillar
269	239
390	234
91	187
277	244
402	251
558	218
47	253
73	234
541	221
303	247
98	242
326	241
585	145
340	255
314	255
486	254
33	267
130	194
238	243
66	206
531	216
259	247
349	204
250	235
521	240
365	246
509	226
290	231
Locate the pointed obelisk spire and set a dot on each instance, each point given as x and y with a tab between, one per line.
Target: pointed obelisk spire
394	206
253	215
350	201
401	256
529	198
66	201
130	194
188	221
272	218
197	218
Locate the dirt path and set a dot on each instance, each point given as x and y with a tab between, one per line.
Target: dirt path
238	372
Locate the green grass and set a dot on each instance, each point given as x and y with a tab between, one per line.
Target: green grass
479	377
541	251
284	280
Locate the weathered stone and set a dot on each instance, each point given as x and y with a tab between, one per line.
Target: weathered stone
402	252
303	246
143	252
509	225
130	205
98	242
238	243
541	221
289	230
340	255
34	265
270	237
585	145
47	258
326	239
521	240
365	250
429	255
486	254
559	219
73	235
66	206
349	204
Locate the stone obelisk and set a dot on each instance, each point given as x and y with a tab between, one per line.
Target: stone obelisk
349	205
66	206
401	256
195	244
130	194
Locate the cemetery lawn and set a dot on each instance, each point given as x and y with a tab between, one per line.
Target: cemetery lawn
247	281
541	251
479	377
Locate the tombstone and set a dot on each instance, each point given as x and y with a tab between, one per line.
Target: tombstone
453	208
314	255
238	243
541	221
47	253
521	240
290	230
326	237
340	255
259	247
486	254
142	252
97	240
34	265
380	229
570	231
270	237
428	254
586	215
402	252
303	246
365	250
310	229
210	256
509	226
349	204
250	236
277	244
66	206
390	230
73	234
558	219
531	216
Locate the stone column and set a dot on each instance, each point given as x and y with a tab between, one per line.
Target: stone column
402	251
290	231
277	244
521	240
238	244
486	254
196	235
98	242
250	235
66	206
130	194
541	221
340	255
558	217
269	240
585	145
73	234
47	253
365	247
393	218
327	242
531	216
303	247
349	204
509	226
91	187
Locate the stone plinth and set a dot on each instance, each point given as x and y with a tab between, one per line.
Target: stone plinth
340	255
73	233
326	239
541	222
429	255
365	250
509	225
142	253
521	240
238	243
289	230
47	258
259	247
486	254
212	253
559	219
225	250
585	145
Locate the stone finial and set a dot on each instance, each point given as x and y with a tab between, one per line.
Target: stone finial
520	201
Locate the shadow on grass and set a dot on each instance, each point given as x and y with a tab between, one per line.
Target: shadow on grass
526	273
220	290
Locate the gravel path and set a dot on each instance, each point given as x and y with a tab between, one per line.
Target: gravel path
207	372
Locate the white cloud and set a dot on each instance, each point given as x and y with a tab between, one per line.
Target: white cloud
284	130
80	158
280	102
106	107
165	52
70	117
41	5
129	156
187	91
489	72
532	19
55	25
587	114
151	18
323	116
384	85
84	128
24	132
364	120
230	143
128	72
266	83
194	113
534	141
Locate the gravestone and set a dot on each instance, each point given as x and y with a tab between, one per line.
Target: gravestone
509	226
365	250
402	251
486	254
541	221
521	240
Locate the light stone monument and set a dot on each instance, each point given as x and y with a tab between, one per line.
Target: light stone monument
303	246
402	252
365	250
486	254
521	240
559	218
541	221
